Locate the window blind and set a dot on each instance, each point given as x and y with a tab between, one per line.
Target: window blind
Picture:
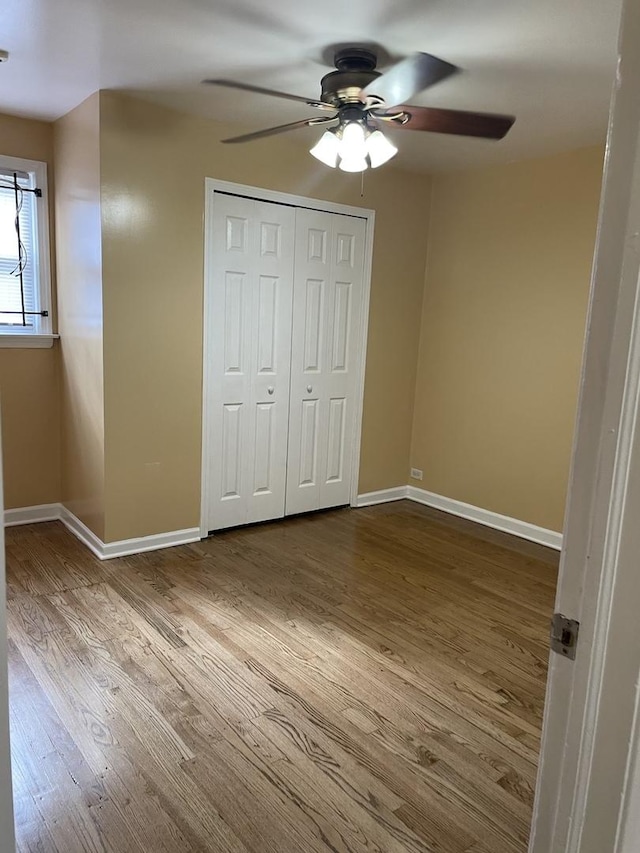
10	289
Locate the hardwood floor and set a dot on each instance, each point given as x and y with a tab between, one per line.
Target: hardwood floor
358	680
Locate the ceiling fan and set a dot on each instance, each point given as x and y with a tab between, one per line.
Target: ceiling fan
362	100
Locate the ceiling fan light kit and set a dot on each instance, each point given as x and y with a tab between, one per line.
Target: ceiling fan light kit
362	98
353	147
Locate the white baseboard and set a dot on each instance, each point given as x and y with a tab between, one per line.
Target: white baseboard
125	547
81	532
102	550
382	497
505	523
31	514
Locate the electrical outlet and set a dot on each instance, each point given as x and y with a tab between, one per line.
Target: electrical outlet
416	474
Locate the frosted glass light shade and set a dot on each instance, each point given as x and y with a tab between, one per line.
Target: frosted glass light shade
353	164
353	145
379	148
326	149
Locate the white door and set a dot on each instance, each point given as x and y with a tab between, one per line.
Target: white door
327	305
251	290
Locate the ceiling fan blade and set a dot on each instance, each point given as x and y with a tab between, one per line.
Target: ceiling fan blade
247	87
459	122
408	77
281	128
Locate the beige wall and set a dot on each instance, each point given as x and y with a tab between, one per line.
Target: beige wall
507	283
30	426
78	217
153	164
499	331
29	377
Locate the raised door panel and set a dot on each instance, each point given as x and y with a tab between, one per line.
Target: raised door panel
335	436
231	452
268	287
341	330
266	450
234	321
313	325
308	467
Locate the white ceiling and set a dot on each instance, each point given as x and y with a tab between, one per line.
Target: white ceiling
551	63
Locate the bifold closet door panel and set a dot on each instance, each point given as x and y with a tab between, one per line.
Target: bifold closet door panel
252	270
327	306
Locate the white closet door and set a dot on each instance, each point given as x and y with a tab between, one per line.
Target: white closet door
252	270
327	303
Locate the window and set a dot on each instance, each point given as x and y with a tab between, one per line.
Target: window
25	289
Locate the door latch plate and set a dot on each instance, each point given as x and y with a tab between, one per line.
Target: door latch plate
564	635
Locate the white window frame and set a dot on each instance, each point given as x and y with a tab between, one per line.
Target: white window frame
44	336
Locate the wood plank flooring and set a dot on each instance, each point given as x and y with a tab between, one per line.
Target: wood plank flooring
353	681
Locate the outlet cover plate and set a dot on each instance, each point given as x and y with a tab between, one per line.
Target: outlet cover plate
416	474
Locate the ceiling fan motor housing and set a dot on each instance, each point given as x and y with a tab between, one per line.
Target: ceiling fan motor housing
355	70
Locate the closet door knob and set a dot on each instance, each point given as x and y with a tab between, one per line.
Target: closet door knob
270	389
309	389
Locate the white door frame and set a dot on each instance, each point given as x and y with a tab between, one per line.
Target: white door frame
590	764
212	185
7	832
